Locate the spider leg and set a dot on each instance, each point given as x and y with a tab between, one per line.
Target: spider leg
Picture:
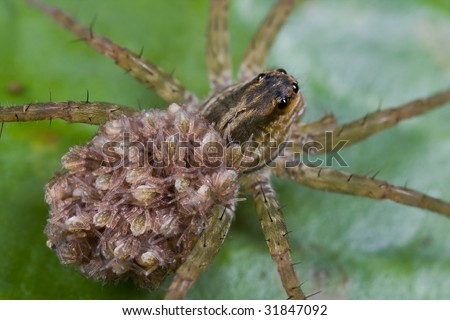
71	111
327	122
274	228
218	52
357	185
202	254
142	70
360	129
256	53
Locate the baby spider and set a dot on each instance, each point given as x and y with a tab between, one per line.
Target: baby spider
221	74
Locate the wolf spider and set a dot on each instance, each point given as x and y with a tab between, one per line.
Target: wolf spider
314	176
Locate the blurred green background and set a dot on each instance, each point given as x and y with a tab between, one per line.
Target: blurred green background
350	57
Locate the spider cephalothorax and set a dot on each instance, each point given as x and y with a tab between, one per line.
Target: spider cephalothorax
154	192
268	104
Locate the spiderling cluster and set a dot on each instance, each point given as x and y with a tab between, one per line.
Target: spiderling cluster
119	212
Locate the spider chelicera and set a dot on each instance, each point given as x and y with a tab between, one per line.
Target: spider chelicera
321	175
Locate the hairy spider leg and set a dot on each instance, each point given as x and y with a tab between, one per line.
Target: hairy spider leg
326	123
258	49
71	111
218	49
274	229
203	252
359	129
162	83
357	185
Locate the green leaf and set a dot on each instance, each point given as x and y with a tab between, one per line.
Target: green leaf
350	57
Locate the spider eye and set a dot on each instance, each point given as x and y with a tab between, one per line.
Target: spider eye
295	87
283	103
281	70
260	76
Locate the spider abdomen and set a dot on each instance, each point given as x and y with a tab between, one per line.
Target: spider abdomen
133	201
